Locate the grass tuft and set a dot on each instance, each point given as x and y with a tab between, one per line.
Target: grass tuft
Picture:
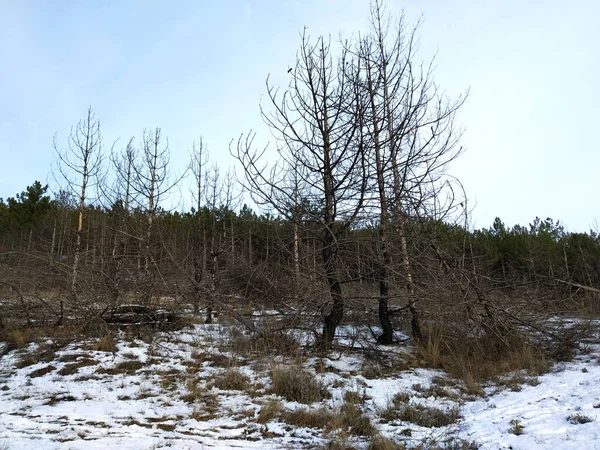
232	380
421	415
270	411
105	344
298	385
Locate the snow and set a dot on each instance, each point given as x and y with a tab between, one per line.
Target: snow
142	407
542	410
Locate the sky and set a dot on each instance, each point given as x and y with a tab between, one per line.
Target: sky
198	68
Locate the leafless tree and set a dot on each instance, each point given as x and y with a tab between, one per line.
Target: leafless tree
316	122
413	137
121	197
78	167
198	162
151	183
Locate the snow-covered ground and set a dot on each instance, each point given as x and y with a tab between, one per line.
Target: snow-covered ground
162	392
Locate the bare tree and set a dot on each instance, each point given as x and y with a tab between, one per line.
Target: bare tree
79	165
121	200
151	183
412	133
317	126
198	161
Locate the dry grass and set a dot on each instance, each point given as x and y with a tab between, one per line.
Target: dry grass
354	397
308	418
215	359
270	411
424	416
348	418
383	366
477	359
579	419
354	419
105	344
379	442
42	371
232	380
41	354
297	385
70	369
435	390
268	343
125	367
206	403
17	338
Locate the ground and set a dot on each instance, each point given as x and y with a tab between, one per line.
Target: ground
190	389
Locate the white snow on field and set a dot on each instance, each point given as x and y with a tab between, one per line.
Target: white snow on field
135	398
549	412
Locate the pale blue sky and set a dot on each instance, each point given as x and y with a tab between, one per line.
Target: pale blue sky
198	68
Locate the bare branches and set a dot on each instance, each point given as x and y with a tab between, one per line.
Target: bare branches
80	165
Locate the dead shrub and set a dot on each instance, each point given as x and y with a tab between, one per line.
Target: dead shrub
297	385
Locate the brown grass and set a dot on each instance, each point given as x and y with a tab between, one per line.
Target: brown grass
352	417
232	380
105	344
17	338
124	367
424	416
270	411
347	418
70	369
379	442
42	371
477	359
268	343
308	418
297	385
